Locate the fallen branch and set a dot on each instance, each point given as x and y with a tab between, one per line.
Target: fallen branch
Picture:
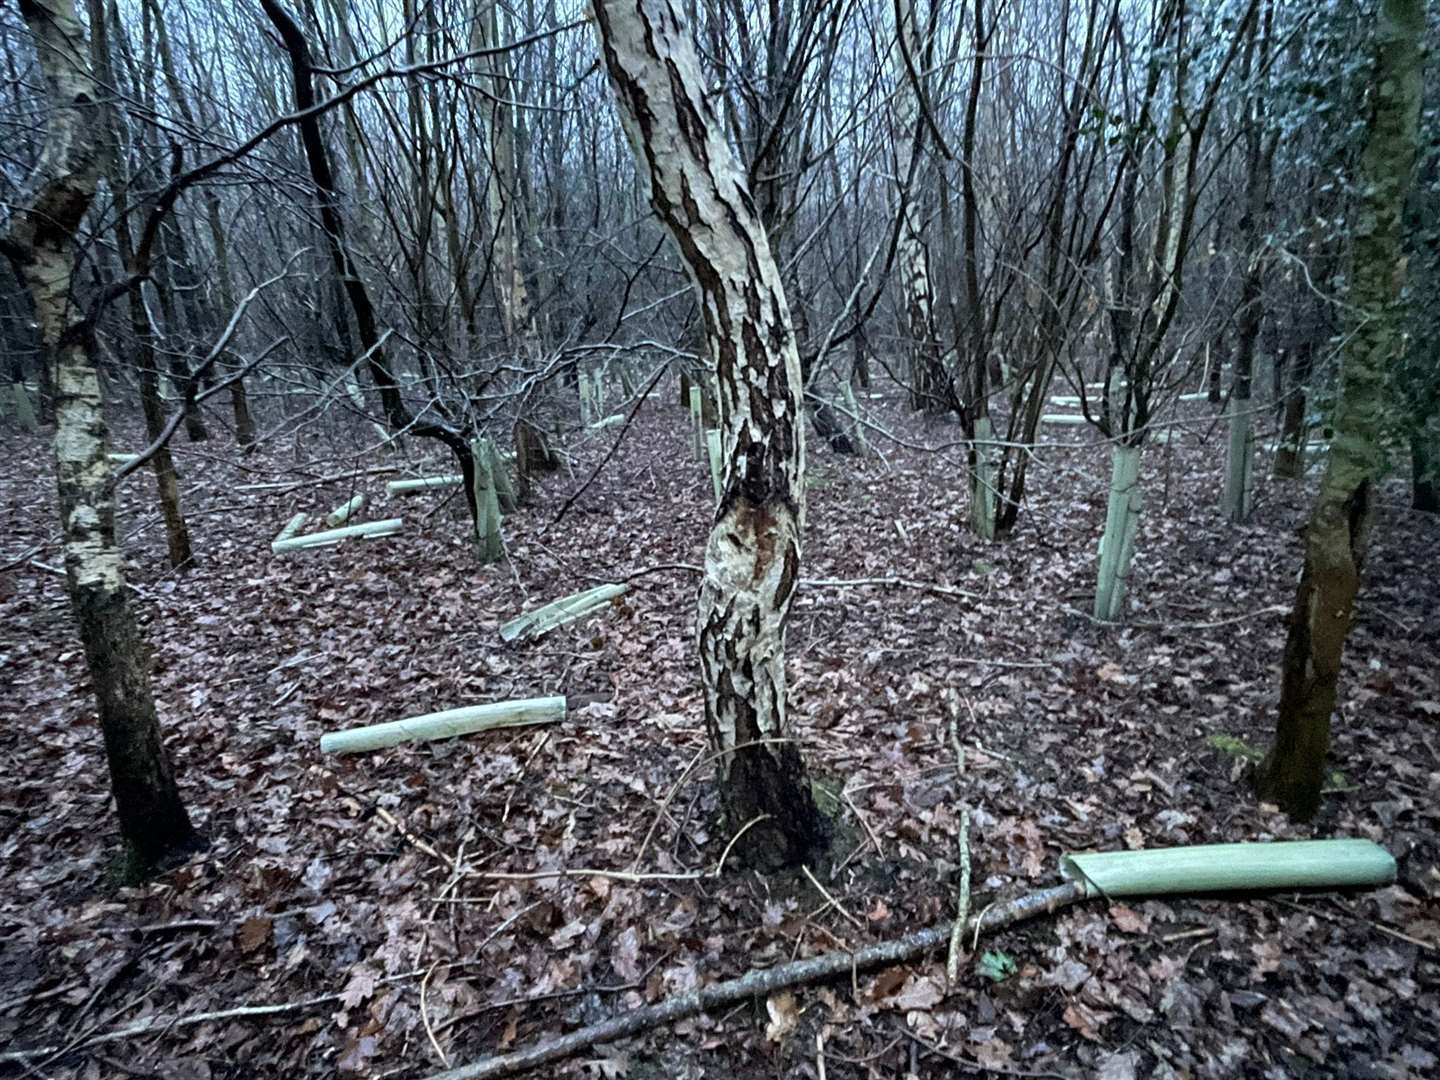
891	582
762	982
172	1023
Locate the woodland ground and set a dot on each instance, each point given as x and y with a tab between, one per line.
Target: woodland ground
1079	736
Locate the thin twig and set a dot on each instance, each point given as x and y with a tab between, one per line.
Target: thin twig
425	1018
831	900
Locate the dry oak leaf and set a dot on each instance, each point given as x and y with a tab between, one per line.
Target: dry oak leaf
784	1015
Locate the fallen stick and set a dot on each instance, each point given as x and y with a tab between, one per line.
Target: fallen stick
424	483
1280	866
370	530
345	511
762	982
565	610
290	485
447	724
172	1023
1063	420
890	582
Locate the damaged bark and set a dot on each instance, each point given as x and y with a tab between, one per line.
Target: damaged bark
752	559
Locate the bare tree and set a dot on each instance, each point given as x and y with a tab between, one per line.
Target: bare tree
752	560
41	244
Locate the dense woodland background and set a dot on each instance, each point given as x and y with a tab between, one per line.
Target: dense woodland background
1104	323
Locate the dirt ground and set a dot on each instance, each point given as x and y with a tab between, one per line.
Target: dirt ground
362	901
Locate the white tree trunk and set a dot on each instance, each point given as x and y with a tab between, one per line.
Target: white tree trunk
503	210
752	560
917	296
42	244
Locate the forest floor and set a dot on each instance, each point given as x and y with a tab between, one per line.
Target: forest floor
363	897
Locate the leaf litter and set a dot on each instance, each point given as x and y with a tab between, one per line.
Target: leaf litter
416	906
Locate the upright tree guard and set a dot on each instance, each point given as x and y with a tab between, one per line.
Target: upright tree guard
42	245
1335	538
752	560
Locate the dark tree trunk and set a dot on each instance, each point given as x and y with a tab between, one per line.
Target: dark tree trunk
1425	468
1289	455
346	273
1293	772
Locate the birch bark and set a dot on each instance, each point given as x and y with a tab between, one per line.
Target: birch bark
752	559
917	295
42	244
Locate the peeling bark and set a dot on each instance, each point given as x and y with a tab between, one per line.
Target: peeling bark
752	559
153	820
1336	537
929	388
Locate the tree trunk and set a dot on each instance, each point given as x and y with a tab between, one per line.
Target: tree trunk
345	273
928	381
153	820
174	299
504	209
1425	465
1290	454
162	463
752	560
1240	453
1292	774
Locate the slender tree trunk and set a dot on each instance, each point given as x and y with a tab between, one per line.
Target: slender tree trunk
346	273
1290	454
1240	452
928	389
503	207
153	820
162	463
1425	466
1292	774
752	560
239	401
1239	455
239	398
175	341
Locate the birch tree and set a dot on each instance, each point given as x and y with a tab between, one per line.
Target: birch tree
930	388
1338	532
752	558
42	244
